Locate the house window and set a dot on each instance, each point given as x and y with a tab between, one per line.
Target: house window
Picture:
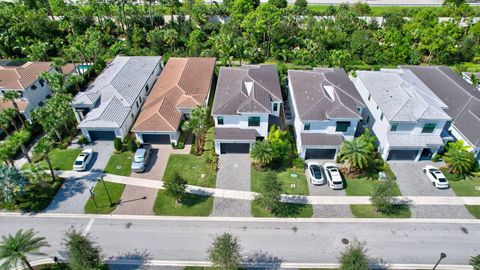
429	127
34	87
275	107
254	121
220	120
378	106
42	82
394	127
359	109
146	88
40	104
306	126
137	104
48	96
381	116
369	97
368	118
131	115
140	98
342	126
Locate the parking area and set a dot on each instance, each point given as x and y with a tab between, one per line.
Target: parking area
321	190
413	182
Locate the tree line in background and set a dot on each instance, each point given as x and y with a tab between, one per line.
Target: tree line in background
98	30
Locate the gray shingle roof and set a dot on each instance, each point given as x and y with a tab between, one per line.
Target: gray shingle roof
312	99
235	134
246	89
462	99
401	97
117	88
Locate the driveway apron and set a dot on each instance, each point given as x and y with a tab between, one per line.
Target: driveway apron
234	174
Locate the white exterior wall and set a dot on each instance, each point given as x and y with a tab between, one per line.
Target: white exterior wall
36	96
241	121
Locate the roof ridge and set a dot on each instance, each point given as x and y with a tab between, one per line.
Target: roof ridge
248	74
313	107
157	112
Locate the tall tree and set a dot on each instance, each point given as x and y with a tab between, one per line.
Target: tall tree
20	138
83	252
459	161
356	153
12	184
42	148
13	96
14	249
224	252
11	114
197	123
175	187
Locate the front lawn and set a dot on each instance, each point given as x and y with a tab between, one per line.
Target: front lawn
365	187
293	181
291	210
192	205
465	187
62	159
369	211
474	210
101	198
120	164
193	169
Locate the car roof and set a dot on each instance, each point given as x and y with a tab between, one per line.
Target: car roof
140	152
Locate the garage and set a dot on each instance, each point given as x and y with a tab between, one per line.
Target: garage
320	153
101	135
402	155
234	148
156	138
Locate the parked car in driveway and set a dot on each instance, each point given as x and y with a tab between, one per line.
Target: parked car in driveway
140	159
334	178
83	159
436	177
315	173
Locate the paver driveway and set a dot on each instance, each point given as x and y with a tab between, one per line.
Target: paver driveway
73	194
233	173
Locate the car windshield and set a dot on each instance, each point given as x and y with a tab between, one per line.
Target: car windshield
337	182
442	180
317	173
78	162
138	159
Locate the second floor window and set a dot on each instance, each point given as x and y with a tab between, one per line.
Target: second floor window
275	107
42	82
254	121
381	116
428	127
342	126
34	87
394	127
219	120
306	126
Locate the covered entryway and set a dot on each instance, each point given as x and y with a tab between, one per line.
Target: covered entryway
234	148
101	135
402	155
156	138
320	153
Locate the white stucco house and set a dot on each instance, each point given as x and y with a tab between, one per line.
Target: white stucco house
405	115
326	109
109	106
247	100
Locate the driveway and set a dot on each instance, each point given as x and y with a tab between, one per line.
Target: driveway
233	173
73	194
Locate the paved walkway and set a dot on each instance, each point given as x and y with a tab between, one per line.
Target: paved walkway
315	200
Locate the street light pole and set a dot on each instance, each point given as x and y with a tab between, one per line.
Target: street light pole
442	256
92	195
106	190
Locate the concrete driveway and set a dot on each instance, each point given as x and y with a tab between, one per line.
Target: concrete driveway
233	173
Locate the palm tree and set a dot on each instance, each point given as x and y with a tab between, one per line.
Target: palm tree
20	138
14	249
356	153
13	96
459	161
42	148
55	80
36	173
4	123
12	184
10	114
197	123
262	153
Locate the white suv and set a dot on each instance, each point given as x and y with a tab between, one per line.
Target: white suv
334	177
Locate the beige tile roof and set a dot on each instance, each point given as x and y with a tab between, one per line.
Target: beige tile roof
21	77
22	104
183	83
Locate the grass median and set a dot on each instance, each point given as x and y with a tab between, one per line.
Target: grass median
192	205
120	164
369	211
102	201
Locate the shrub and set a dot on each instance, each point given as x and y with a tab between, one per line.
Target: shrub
270	196
175	187
118	145
436	157
354	257
475	262
82	139
224	252
132	145
298	163
388	171
382	196
83	253
212	160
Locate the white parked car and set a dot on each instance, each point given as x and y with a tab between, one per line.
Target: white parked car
315	173
436	176
83	160
334	177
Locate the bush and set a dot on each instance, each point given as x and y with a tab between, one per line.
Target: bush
224	252
298	163
175	187
354	257
475	262
436	158
132	145
82	139
388	171
212	160
382	196
83	253
118	145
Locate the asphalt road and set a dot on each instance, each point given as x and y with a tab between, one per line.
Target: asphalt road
306	242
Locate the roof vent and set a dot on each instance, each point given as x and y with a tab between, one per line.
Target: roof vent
249	87
330	91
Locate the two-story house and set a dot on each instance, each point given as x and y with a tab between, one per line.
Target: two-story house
109	106
23	77
404	114
246	99
325	108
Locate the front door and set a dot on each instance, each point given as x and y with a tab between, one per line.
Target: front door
427	154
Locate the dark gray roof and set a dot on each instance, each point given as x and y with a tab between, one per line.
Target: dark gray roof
235	134
321	139
246	89
462	99
321	94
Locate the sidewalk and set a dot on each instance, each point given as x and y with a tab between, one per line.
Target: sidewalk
314	200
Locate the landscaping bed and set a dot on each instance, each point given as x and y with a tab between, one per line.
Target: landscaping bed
286	176
192	205
292	210
120	164
364	187
193	169
369	211
101	198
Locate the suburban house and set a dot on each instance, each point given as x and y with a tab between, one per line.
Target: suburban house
462	99
23	77
248	99
467	76
405	115
326	109
183	85
109	106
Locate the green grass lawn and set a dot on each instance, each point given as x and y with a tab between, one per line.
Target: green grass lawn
365	187
62	159
286	176
474	210
466	187
192	168
292	210
368	211
192	205
115	190
120	164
